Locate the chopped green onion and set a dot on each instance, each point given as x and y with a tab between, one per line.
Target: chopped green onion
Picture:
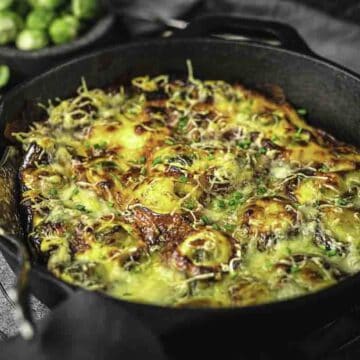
301	111
183	179
229	227
221	204
142	160
275	138
80	207
238	195
100	146
244	144
157	160
342	202
189	204
205	220
183	121
216	227
53	192
261	190
75	191
332	252
262	150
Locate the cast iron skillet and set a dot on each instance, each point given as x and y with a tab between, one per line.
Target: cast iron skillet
331	95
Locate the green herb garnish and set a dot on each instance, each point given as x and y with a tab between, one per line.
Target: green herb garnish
262	150
294	269
142	160
342	202
183	121
331	252
205	220
80	207
100	146
75	191
244	144
53	192
183	179
157	160
261	190
189	204
220	203
302	111
229	227
216	227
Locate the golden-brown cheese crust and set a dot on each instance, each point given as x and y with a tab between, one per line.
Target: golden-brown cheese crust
190	193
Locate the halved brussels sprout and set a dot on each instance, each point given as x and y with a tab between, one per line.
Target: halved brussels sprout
207	248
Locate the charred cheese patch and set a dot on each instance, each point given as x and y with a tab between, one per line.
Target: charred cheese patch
190	193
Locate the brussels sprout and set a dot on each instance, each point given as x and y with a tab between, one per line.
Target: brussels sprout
64	29
4	75
31	39
85	9
39	19
10	24
47	4
5	4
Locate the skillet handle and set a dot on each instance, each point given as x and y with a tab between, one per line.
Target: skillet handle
236	28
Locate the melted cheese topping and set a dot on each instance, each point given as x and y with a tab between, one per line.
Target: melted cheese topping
190	193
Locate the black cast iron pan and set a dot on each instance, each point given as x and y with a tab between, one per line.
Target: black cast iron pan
331	95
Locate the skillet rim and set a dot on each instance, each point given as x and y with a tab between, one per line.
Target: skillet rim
266	308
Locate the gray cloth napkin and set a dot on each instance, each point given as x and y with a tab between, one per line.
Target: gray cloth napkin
327	36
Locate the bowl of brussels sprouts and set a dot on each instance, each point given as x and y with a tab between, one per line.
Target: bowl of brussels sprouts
37	34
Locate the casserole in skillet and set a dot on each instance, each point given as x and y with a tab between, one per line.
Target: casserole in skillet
190	193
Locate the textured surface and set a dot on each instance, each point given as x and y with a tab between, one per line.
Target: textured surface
190	193
332	34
